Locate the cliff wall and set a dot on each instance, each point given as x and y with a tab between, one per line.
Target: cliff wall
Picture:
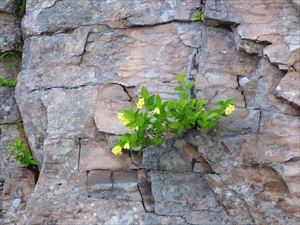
85	60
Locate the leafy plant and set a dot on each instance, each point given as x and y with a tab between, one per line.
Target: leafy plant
7	82
199	16
17	149
153	120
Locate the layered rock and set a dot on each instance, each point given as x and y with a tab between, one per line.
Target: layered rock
85	60
16	182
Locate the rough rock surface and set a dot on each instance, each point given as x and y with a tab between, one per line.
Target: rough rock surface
10	33
16	182
84	60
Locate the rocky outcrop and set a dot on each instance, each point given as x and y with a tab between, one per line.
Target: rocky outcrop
85	60
16	182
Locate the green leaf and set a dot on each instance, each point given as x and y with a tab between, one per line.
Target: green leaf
7	82
128	114
212	115
231	101
140	121
179	89
189	85
144	93
181	78
201	103
199	16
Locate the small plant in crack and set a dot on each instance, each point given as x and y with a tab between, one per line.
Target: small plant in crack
152	120
17	149
199	16
7	82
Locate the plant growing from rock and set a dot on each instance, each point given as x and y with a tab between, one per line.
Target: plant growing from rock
17	149
199	16
7	82
152	120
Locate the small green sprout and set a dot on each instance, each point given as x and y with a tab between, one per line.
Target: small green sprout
17	149
7	82
199	16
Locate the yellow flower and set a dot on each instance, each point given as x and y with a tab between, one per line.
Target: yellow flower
156	111
123	119
140	103
229	109
127	146
117	150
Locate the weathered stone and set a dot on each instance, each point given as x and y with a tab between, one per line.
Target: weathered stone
288	88
70	112
202	166
218	11
57	50
192	34
113	185
8	108
100	180
7	6
111	99
220	66
80	67
17	182
239	193
182	194
240	122
10	35
249	46
99	183
278	140
60	165
151	219
259	89
144	185
296	2
125	185
75	208
94	155
282	35
222	154
170	157
290	172
130	56
34	118
126	13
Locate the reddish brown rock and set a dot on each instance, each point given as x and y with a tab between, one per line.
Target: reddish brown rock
288	88
95	155
82	66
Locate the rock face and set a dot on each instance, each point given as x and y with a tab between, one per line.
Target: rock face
85	60
16	182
